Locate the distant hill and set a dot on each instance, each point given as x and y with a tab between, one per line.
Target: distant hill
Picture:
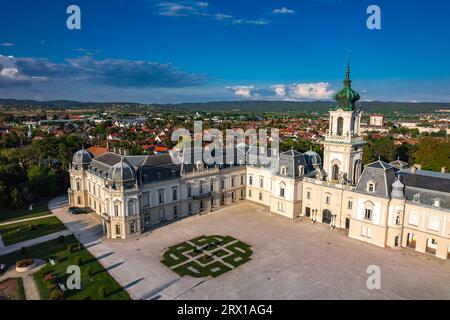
243	106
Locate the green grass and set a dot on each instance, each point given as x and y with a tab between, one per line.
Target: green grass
19	294
21	231
90	284
9	215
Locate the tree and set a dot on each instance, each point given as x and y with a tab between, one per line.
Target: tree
16	199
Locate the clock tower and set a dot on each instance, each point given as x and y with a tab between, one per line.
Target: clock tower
343	145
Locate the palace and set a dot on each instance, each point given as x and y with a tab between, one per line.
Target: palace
386	204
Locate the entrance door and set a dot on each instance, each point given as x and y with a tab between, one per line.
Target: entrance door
308	212
326	216
411	241
347	223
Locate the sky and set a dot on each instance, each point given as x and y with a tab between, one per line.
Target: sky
173	51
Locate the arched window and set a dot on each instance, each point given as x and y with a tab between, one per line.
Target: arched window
368	210
335	172
340	126
283	170
282	189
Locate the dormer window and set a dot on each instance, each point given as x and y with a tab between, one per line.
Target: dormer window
416	197
371	187
301	170
437	202
283	170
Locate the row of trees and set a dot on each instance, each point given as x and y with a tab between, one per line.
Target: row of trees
431	153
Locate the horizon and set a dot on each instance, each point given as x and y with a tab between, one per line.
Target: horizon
184	51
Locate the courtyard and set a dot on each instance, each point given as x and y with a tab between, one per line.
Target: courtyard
290	260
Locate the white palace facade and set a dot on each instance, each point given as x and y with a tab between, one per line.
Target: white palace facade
386	204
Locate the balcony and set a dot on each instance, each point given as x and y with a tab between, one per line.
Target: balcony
348	137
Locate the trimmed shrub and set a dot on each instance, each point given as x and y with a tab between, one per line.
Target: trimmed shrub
24	263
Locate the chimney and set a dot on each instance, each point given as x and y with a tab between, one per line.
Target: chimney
443	170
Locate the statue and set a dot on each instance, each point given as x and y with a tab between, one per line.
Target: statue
319	174
343	178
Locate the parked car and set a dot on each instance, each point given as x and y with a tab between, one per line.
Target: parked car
2	268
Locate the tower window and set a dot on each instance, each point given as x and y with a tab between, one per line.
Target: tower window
340	126
335	175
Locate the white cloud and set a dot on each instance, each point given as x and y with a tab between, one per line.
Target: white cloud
7	44
9	72
283	10
201	10
293	92
244	91
310	91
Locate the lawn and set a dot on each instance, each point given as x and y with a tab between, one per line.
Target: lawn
93	276
207	256
9	215
21	231
12	289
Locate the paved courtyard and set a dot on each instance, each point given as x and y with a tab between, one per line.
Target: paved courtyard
291	260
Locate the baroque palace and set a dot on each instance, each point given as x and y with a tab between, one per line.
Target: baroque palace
386	204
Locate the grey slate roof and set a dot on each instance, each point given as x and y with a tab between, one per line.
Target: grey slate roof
380	173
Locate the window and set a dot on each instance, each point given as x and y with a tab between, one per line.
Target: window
283	170
349	204
398	216
146	199
371	187
162	214
281	206
175	212
130	207
132	227
308	194
201	188
416	197
250	180
242	179
116	210
93	189
250	193
340	126
282	190
327	199
79	200
201	205
222	200
260	196
437	202
261	182
189	192
232	182
242	193
78	186
118	229
211	186
161	196
190	208
233	196
433	223
222	183
413	219
368	214
174	194
335	175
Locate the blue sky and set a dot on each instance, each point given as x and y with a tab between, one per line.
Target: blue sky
185	51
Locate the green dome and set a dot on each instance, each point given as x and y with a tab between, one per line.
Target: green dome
346	97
